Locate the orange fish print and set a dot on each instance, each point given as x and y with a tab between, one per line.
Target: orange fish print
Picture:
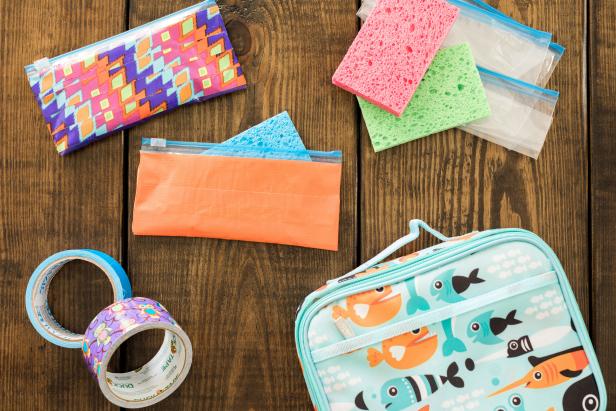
405	351
370	308
551	370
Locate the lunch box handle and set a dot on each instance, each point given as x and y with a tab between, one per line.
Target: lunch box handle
415	227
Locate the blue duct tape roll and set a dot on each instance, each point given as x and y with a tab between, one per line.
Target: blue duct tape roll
37	305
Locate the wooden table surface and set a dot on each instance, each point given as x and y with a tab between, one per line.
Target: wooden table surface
237	300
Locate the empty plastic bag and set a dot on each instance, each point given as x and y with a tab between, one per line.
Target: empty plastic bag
555	53
521	113
555	50
500	43
238	194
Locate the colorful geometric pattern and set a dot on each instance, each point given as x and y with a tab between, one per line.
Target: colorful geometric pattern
183	58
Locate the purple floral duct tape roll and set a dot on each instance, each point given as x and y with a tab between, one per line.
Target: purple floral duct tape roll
152	382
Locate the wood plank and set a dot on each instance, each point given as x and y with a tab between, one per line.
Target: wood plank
48	204
602	84
458	182
237	300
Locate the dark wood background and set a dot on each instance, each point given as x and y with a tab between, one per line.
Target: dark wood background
237	300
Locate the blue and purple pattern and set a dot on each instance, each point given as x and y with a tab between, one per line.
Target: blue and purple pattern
115	321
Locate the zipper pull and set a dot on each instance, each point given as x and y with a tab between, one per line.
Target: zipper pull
158	142
344	327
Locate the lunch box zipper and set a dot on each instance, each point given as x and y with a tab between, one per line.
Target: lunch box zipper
420	266
434	317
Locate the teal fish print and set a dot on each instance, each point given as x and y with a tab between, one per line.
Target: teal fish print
451	344
415	302
449	287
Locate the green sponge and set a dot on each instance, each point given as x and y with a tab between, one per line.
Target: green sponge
449	95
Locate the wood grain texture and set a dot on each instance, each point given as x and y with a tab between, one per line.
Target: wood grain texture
48	204
459	183
237	300
602	82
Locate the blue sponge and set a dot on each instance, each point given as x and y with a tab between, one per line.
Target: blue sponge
276	133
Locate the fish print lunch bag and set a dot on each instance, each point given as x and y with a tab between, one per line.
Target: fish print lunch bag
485	321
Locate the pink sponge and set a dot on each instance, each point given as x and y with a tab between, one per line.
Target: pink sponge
393	50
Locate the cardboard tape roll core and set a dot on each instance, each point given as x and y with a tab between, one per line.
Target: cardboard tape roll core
37	304
156	380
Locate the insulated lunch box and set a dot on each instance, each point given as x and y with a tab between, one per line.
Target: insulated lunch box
485	321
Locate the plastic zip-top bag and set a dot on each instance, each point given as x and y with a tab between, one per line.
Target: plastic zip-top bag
498	42
555	53
239	193
87	94
521	113
555	50
486	321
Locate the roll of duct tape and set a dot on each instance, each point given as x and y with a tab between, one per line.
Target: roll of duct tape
156	380
37	305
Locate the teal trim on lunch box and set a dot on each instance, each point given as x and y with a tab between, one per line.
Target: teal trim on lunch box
532	32
420	265
551	94
125	33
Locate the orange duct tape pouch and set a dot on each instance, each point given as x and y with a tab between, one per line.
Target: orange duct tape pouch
238	193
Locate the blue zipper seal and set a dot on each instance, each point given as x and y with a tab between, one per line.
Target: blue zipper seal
538	34
560	50
169	144
557	48
544	91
